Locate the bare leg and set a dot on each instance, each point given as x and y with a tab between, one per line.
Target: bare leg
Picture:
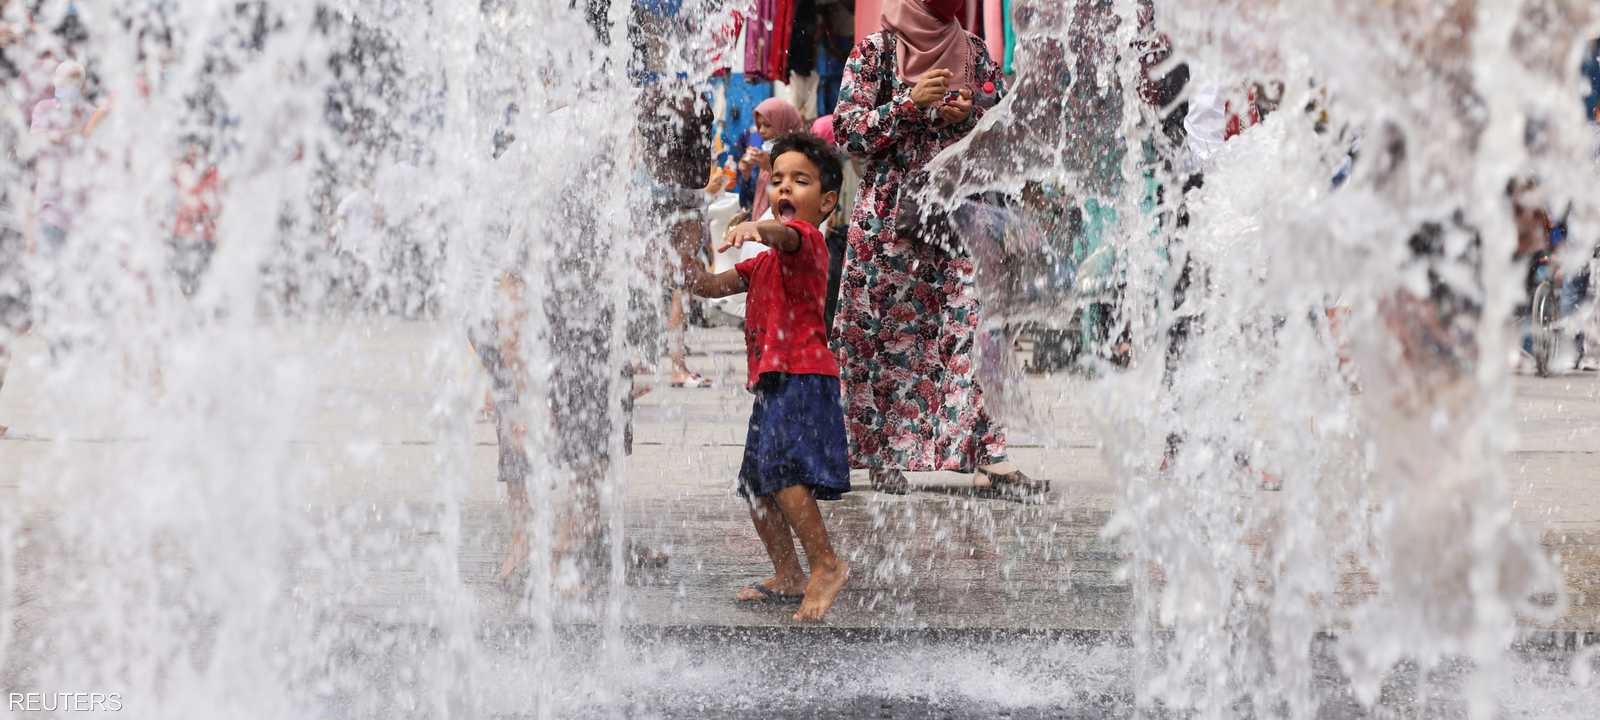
517	551
677	325
788	578
578	532
828	572
1591	331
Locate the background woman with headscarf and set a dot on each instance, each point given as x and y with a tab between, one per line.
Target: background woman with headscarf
774	118
908	309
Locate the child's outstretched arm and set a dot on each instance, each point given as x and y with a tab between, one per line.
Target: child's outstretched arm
696	278
770	233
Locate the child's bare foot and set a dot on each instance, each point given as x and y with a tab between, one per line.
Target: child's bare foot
774	589
822	590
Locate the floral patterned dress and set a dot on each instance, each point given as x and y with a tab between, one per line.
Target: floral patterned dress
908	311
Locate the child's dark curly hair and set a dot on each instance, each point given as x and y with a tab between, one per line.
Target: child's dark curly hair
819	152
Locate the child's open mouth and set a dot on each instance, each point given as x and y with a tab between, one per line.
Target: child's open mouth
786	211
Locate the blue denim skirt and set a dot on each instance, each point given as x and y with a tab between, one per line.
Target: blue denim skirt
796	438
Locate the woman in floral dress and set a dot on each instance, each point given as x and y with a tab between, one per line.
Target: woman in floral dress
908	309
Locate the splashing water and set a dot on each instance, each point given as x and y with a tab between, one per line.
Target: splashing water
1338	338
1342	340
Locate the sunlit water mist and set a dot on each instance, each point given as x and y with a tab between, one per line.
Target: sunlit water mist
184	562
191	556
1347	343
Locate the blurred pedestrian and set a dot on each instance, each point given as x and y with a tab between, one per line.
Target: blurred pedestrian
194	228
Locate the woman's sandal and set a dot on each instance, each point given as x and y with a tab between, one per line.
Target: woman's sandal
768	595
516	583
889	482
1014	485
644	557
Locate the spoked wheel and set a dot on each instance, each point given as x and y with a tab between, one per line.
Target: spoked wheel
1544	311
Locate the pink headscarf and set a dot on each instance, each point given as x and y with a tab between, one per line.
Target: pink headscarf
823	128
785	119
929	39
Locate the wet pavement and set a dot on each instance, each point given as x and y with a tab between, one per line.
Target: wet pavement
949	590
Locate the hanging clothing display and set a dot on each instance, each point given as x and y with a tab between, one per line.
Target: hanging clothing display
758	39
768	33
869	17
994	29
803	38
725	32
778	47
802	91
802	77
1011	41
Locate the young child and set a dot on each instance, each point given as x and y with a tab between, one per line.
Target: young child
795	452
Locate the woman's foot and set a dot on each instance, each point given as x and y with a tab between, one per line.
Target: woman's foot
692	379
1005	481
889	482
644	557
822	590
774	590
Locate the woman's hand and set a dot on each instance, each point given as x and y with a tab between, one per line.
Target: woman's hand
931	88
758	158
958	109
717	183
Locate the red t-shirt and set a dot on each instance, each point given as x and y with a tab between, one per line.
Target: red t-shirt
783	329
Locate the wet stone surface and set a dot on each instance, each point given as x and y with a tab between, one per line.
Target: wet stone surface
959	605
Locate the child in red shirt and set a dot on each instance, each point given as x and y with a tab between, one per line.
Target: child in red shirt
795	451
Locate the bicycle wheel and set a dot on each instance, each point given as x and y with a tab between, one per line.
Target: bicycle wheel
1544	310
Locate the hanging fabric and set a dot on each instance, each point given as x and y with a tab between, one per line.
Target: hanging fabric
778	44
803	38
869	18
1011	42
758	40
994	29
725	31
